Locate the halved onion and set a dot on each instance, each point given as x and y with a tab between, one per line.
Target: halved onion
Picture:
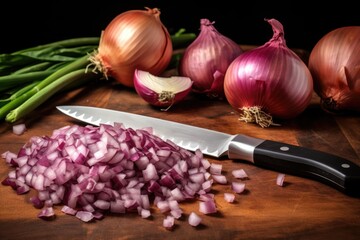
161	91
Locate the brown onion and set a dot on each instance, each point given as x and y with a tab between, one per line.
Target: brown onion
134	39
334	63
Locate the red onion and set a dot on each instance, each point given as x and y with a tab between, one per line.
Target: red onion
19	129
334	63
207	207
161	91
134	39
206	59
238	187
239	173
221	179
269	81
194	219
168	222
229	197
280	179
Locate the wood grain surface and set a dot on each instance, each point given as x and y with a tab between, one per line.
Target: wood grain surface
301	209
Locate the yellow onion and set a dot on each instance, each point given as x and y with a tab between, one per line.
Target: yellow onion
334	63
206	59
135	39
269	81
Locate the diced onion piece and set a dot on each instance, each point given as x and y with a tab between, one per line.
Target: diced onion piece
194	219
46	212
145	213
239	173
221	179
168	221
84	216
68	210
238	187
19	129
229	197
215	168
280	179
207	207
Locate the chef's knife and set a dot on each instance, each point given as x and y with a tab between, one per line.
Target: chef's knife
335	171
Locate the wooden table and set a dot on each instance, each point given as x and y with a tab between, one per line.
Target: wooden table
302	209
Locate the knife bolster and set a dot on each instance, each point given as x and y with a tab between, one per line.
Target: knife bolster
242	147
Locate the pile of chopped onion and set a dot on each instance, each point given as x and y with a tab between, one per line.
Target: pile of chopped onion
93	170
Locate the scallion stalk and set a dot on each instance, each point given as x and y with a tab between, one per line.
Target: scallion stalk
9	81
17	93
45	93
81	63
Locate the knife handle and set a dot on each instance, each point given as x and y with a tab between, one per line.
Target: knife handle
330	169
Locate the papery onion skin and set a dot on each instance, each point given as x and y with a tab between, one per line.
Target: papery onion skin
271	77
134	39
161	91
207	58
334	63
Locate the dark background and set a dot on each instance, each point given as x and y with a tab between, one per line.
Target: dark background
31	23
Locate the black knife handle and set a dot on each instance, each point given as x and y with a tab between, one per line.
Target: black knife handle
330	169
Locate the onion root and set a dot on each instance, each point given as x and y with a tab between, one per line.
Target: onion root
257	115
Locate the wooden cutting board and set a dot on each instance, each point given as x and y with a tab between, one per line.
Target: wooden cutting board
301	209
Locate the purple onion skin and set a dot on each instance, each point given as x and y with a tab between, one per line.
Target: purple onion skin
206	60
272	77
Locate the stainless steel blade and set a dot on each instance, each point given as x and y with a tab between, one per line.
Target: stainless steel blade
210	142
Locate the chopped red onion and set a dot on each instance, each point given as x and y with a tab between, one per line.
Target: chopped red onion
239	173
221	179
280	179
215	168
145	213
19	129
194	219
229	197
168	221
207	207
93	170
46	213
238	187
68	210
84	216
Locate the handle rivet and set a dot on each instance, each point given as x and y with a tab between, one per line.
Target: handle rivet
284	148
345	165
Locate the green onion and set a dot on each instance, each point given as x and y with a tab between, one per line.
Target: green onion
45	93
17	93
81	63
